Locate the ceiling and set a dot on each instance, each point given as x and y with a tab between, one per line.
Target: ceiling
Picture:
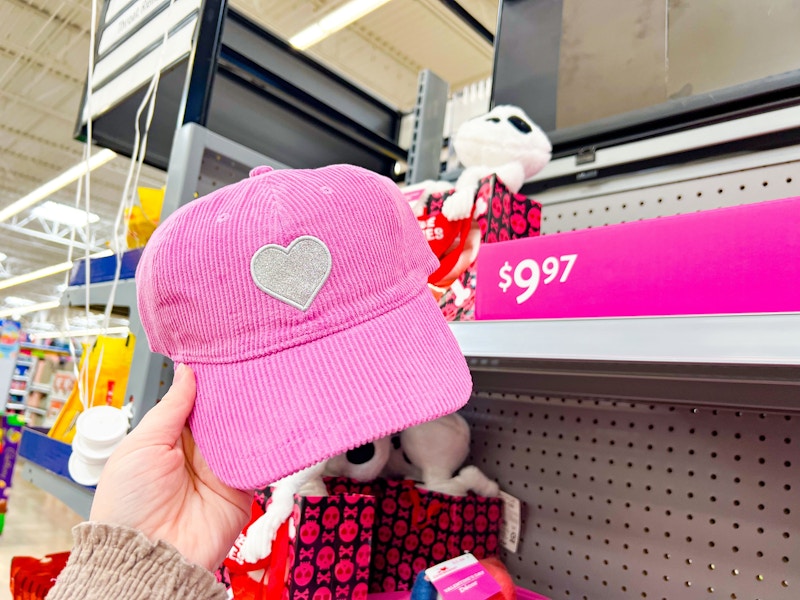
43	62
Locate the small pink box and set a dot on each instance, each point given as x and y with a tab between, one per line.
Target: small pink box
737	260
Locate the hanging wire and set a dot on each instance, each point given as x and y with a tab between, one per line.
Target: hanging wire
127	202
82	376
130	191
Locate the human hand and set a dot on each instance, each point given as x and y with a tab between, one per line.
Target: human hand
157	482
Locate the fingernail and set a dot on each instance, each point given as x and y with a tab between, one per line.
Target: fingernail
180	373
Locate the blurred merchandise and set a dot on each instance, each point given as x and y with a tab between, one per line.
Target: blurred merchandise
143	219
104	371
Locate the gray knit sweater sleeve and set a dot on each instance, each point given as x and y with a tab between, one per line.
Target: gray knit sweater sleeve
121	563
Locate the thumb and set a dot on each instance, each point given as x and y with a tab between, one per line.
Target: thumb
164	423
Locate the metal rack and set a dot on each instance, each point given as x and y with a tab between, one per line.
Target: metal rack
240	81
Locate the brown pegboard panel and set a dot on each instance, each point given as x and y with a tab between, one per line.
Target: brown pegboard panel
684	196
635	500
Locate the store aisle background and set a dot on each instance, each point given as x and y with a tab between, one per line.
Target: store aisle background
36	524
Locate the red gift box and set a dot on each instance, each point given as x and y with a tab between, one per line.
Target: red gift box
33	578
508	216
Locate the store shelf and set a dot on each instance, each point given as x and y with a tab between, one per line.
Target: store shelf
99	294
41	387
45	466
734	361
16	392
19	378
15	406
40	348
36	410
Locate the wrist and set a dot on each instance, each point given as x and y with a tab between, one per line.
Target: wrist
110	561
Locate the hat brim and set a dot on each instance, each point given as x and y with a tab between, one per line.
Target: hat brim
255	423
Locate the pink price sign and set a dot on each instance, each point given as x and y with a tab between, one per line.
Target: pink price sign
743	259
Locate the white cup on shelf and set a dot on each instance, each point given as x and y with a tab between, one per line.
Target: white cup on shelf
98	432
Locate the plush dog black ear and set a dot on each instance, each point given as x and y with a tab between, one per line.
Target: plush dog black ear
520	124
363	463
362	454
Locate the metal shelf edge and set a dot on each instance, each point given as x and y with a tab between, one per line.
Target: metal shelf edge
736	362
99	293
767	339
77	497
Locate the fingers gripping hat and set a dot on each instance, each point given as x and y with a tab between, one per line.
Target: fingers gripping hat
300	300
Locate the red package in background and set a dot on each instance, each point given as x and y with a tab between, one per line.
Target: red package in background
33	578
508	216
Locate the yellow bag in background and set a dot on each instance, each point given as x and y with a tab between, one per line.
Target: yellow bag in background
107	385
142	220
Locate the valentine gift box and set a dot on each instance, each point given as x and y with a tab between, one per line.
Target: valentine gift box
322	552
498	215
416	529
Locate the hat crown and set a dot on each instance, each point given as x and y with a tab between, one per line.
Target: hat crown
243	272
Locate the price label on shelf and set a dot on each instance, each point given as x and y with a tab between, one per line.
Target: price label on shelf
512	522
689	264
527	274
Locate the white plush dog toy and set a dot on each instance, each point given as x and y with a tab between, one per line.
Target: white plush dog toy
432	453
364	463
504	142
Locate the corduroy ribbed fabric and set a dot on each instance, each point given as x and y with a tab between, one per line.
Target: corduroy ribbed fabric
280	388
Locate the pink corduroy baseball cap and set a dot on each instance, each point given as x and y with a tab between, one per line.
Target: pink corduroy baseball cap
300	300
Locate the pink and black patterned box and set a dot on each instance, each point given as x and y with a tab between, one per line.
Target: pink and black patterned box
329	553
417	529
509	216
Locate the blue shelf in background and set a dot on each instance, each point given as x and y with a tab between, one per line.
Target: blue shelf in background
46	452
104	269
45	465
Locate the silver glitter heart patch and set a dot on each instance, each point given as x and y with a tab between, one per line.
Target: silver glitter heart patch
294	274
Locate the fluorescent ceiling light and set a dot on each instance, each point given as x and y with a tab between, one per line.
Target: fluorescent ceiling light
16	301
331	23
46	271
82	333
64	214
29	309
33	275
61	181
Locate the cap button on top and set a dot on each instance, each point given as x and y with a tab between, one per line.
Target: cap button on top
263	170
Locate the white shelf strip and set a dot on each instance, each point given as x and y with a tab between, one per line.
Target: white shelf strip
735	339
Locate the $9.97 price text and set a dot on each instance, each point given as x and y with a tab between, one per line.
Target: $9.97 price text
527	274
